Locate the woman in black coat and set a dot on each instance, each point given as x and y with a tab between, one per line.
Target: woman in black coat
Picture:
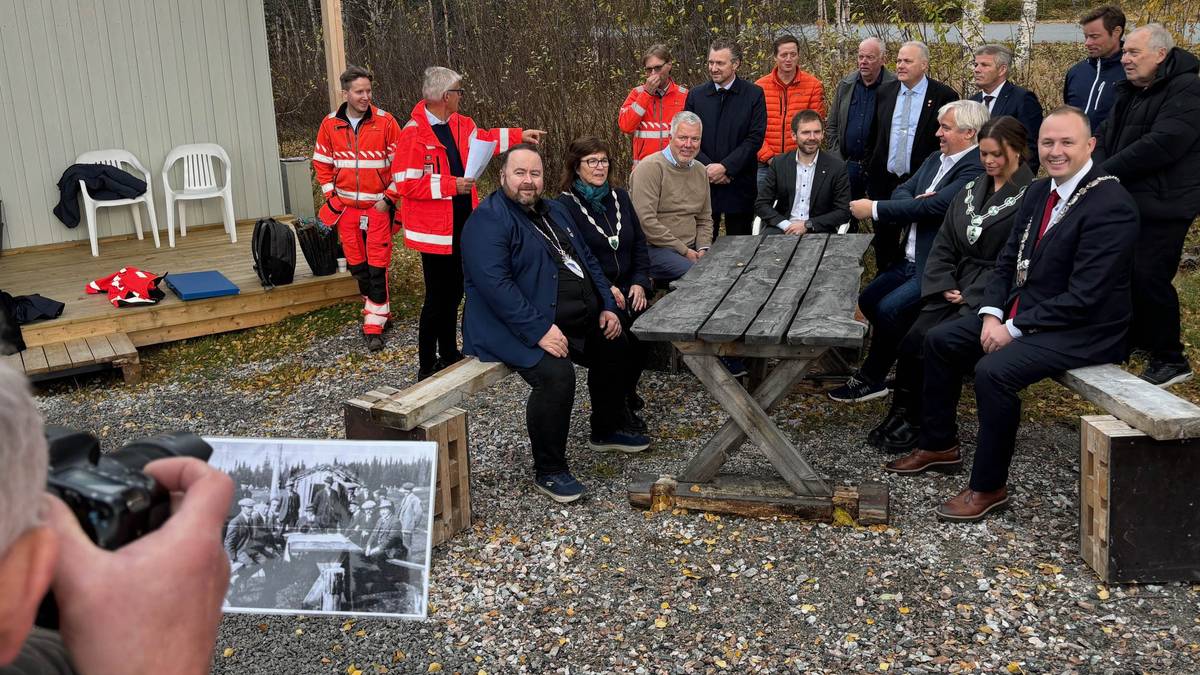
605	216
964	252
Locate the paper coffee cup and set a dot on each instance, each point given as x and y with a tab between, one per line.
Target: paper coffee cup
341	264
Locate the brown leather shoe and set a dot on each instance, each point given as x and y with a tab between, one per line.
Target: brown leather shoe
917	461
970	506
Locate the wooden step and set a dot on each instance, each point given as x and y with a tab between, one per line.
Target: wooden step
60	359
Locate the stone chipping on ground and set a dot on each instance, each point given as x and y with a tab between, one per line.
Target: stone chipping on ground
599	586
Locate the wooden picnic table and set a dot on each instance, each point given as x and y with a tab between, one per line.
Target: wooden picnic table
782	298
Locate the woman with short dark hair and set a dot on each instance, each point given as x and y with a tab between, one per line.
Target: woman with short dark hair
604	214
960	261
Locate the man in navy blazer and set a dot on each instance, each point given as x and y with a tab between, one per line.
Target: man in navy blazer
892	301
1058	298
1005	98
538	300
734	116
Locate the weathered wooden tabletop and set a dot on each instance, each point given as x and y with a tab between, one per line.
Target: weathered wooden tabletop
766	290
782	297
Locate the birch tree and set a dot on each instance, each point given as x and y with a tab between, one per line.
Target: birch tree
1029	9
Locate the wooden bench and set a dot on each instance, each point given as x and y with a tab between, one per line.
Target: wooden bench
427	411
1139	509
63	359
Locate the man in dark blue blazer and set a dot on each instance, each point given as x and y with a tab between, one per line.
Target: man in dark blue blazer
1058	298
1005	98
893	300
734	116
538	300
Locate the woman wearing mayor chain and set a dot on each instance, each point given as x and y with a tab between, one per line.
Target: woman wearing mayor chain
428	173
604	214
964	252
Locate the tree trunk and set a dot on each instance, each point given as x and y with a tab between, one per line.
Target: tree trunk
1029	9
972	25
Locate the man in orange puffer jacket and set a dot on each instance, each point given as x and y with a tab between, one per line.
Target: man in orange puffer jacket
788	90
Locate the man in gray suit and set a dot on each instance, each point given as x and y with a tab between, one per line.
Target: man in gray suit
804	190
853	109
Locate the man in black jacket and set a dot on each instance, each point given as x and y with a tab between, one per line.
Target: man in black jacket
734	116
904	134
1057	299
1151	141
1002	97
805	190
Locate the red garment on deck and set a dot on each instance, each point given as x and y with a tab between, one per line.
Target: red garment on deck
129	286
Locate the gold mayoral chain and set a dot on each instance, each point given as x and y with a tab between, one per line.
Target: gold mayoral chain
976	227
614	240
1023	263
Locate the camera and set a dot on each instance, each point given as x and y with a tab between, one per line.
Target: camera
114	501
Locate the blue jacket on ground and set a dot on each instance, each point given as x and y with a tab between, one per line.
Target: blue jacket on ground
1091	86
511	280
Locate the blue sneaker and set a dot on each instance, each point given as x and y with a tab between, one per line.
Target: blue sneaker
619	441
735	366
561	487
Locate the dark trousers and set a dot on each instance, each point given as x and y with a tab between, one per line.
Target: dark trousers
910	362
891	302
437	332
548	410
1155	324
886	241
735	223
857	177
952	350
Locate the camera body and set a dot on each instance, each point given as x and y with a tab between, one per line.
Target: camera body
114	501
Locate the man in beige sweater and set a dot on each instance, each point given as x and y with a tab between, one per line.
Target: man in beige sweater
670	194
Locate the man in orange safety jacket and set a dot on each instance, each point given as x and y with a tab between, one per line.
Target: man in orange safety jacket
352	159
647	111
436	198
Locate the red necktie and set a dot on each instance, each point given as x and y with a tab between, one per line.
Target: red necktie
1051	202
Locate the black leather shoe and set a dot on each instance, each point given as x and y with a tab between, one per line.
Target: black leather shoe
894	418
374	343
900	438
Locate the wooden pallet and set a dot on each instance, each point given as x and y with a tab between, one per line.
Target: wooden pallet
62	359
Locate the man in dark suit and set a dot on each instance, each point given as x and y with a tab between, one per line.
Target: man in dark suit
289	509
734	116
892	301
1058	298
1005	98
538	301
805	190
903	136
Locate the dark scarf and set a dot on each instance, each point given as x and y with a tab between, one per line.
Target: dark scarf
593	195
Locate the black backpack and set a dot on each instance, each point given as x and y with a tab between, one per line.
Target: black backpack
274	248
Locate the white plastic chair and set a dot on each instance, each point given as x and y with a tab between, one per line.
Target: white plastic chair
199	182
116	158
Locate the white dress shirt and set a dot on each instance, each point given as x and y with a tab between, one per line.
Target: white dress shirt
1065	190
805	174
947	163
434	120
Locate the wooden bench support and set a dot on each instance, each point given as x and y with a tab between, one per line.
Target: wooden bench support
1156	412
1139	517
74	357
758	497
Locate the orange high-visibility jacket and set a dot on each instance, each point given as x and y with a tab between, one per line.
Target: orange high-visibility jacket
804	92
648	118
354	168
422	180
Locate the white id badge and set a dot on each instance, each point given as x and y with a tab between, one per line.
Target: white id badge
570	264
362	222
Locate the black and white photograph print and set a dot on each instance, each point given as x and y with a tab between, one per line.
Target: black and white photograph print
328	526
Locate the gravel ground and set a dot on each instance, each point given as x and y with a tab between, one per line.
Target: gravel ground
599	586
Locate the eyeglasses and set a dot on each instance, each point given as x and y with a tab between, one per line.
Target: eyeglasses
592	162
460	92
655	69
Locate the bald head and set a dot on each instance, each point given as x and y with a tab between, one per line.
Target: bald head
871	55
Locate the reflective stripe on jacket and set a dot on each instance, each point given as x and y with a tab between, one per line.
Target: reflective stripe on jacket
355	166
648	118
804	92
421	177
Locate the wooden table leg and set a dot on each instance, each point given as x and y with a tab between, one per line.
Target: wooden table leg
748	415
777	384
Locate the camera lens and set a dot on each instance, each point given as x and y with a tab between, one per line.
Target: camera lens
139	453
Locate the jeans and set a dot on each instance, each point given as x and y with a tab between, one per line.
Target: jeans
666	265
891	303
611	369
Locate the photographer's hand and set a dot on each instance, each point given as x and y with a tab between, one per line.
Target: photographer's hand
153	605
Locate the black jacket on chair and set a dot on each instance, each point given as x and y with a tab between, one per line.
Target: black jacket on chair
735	123
1022	104
880	183
1076	297
103	182
829	198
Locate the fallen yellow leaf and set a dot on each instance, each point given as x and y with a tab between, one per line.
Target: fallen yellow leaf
1014	667
808	608
665	605
1103	594
884	665
720	663
435	667
905	610
361	632
660	623
228	652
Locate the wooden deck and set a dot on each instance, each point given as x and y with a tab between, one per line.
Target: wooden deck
61	272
